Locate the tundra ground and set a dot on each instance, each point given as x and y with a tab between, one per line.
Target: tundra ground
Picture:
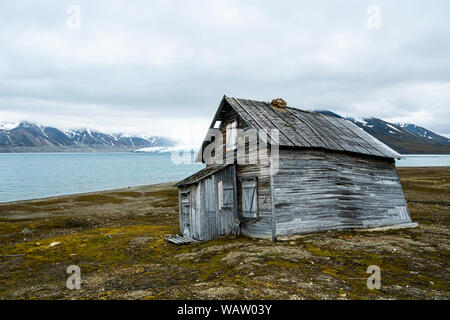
117	240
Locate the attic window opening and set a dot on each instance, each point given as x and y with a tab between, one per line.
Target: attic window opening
231	135
217	124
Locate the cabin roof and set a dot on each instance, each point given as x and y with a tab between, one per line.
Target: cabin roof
304	129
202	174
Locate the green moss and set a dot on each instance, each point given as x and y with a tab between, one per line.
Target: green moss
99	239
283	263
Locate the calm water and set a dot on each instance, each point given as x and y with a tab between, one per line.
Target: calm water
424	161
29	176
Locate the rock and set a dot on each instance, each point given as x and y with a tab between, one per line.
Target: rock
235	257
201	284
219	292
25	231
53	244
140	241
186	256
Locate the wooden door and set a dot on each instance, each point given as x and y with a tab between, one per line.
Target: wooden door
186	214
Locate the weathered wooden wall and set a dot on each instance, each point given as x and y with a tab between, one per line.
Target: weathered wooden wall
206	220
261	227
323	190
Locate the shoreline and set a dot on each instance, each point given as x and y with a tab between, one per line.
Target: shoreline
56	197
96	202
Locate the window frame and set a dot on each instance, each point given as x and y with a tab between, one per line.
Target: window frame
222	188
231	135
254	212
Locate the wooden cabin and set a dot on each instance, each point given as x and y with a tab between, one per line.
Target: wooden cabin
318	173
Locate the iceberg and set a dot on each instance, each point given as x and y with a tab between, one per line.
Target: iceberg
178	148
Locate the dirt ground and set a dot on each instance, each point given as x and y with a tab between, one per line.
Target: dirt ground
117	240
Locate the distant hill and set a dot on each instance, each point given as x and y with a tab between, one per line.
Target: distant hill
30	137
404	138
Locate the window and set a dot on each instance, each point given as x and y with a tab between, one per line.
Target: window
226	195
186	202
185	197
249	198
231	135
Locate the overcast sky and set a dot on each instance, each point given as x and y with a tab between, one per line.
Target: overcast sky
162	67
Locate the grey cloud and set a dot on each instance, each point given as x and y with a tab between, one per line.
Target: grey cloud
174	60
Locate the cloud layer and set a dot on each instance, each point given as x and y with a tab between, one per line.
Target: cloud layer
161	67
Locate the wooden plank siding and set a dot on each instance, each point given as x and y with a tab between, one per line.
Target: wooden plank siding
261	227
319	190
206	220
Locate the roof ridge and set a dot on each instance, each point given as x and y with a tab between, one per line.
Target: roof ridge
318	114
268	103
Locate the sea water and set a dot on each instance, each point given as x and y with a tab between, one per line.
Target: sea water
36	175
26	176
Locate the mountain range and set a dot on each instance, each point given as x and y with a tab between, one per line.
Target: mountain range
31	137
405	138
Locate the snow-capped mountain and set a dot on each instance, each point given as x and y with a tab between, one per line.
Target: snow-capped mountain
424	133
8	125
403	138
30	137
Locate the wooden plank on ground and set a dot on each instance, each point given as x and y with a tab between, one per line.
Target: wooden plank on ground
180	240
